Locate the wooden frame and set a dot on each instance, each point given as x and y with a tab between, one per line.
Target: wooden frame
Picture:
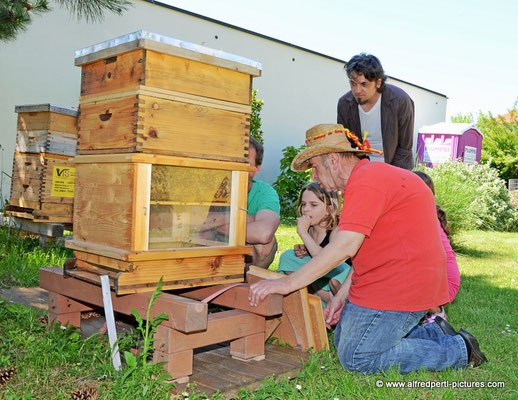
112	226
154	96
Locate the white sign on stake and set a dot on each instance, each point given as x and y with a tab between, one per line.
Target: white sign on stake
110	321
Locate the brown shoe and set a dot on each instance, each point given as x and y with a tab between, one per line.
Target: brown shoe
475	355
445	326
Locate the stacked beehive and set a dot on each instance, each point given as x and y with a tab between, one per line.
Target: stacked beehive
163	142
42	186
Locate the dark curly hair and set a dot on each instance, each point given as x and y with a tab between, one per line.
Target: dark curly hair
367	65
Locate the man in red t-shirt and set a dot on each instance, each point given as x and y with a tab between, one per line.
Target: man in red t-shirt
388	227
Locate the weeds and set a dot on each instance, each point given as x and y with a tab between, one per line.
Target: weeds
141	379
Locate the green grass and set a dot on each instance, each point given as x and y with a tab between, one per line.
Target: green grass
51	362
21	257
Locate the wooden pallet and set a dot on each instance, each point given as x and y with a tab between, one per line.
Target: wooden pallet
215	370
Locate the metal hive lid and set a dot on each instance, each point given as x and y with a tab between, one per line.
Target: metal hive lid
166	44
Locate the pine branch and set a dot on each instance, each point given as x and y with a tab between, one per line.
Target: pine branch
93	10
15	16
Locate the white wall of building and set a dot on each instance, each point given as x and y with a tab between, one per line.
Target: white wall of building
300	88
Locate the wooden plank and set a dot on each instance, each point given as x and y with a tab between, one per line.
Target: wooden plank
44	120
191	128
119	73
178	276
237	297
55	209
295	328
221	326
196	99
162	160
53	219
45	141
105	251
19	214
84	269
204	58
103	206
155	255
238	196
107	262
177	284
318	323
141	207
161	93
196	155
118	117
145	272
34	121
185	315
197	78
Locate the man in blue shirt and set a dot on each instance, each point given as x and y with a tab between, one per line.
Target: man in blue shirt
263	211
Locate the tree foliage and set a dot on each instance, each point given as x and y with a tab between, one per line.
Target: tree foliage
255	117
16	15
289	183
500	144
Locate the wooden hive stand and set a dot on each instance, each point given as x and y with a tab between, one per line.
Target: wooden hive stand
189	326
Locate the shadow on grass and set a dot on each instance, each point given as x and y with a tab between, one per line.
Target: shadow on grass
465	250
484	307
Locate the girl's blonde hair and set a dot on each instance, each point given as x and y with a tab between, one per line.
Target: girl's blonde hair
330	200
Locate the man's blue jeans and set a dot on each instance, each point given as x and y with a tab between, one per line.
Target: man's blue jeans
370	341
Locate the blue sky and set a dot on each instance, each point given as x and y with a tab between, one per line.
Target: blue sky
465	49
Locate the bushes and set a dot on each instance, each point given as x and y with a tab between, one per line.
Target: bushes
473	196
289	183
500	144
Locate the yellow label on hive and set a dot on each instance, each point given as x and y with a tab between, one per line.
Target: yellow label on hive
63	181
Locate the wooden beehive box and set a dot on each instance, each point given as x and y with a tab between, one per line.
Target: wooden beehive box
150	93
140	217
42	185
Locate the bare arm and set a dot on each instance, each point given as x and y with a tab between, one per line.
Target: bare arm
335	306
217	221
261	227
303	225
344	245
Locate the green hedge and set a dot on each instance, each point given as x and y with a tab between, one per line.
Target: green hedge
473	196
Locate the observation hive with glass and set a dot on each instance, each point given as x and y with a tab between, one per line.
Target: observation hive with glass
163	144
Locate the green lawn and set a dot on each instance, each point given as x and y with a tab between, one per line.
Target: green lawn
51	363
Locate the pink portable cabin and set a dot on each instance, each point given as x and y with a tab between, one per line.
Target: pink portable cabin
449	141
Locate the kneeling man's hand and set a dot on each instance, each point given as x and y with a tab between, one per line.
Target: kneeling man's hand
259	290
333	311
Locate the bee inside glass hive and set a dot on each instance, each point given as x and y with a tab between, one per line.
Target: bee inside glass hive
181	201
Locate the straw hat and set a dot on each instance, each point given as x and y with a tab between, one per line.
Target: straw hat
323	139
